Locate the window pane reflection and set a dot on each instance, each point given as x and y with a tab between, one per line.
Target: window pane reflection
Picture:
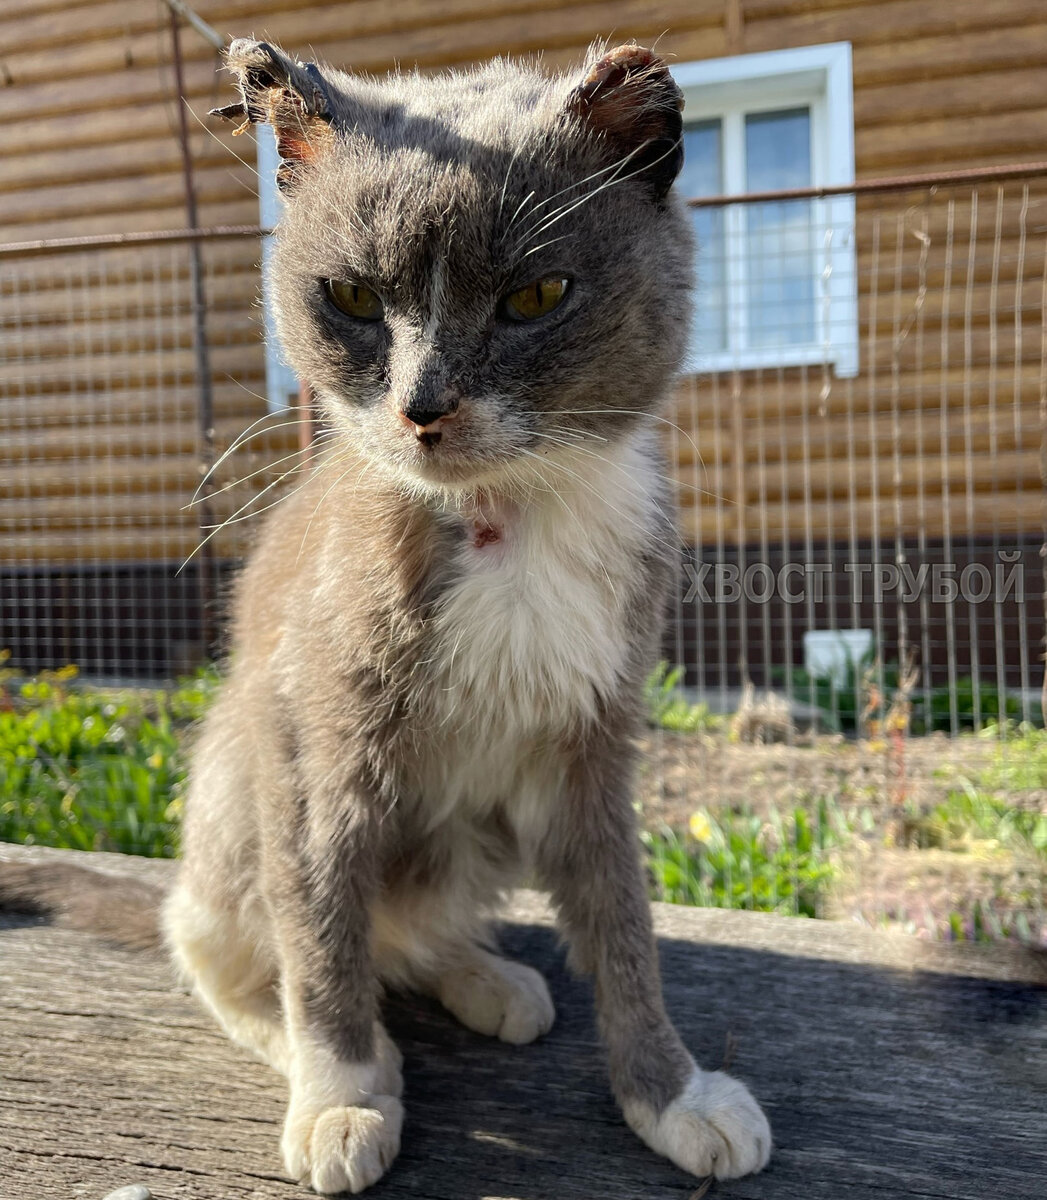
780	244
702	175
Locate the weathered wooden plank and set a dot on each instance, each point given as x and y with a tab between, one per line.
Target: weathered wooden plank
117	440
141	338
242	210
67	412
888	1067
95	371
887	23
997	47
214	185
769	480
28	277
166	543
169	511
1001	512
426	42
921	145
150	153
773	394
952	96
897	17
840	436
230	297
162	467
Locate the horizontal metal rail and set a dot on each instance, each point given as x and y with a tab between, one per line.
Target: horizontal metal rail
109	241
894	183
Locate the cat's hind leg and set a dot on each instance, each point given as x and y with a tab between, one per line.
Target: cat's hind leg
436	945
496	996
230	971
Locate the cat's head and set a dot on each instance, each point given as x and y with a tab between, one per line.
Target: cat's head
477	272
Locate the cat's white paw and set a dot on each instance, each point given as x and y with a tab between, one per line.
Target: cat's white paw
714	1127
388	1081
500	998
344	1149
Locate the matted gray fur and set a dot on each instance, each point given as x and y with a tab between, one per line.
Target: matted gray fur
441	637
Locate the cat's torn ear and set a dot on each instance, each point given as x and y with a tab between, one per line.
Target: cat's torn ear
630	99
290	96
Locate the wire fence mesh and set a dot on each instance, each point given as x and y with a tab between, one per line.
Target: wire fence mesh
108	559
846	719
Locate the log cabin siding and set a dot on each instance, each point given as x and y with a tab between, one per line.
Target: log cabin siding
101	448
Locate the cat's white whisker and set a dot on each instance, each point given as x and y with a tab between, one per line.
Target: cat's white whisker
633	412
670	480
543	246
307	451
512	219
232	520
611	170
571	187
604	186
250	516
252	431
618	512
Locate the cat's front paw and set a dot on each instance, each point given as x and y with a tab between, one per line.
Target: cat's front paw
714	1127
343	1149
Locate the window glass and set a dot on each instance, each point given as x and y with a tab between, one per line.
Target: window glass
780	244
702	175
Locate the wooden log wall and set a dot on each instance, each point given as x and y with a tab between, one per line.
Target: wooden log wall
99	446
939	436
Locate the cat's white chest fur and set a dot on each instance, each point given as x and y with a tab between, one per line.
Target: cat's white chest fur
532	631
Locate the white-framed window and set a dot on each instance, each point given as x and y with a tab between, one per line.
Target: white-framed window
777	283
281	383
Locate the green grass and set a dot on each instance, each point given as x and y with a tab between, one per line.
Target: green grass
91	770
669	708
988	805
737	861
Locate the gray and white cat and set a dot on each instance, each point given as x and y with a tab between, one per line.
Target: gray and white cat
440	640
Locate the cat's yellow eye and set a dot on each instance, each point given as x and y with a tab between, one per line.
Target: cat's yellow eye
536	300
354	299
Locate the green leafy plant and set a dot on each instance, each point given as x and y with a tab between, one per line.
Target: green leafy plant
669	708
94	770
984	924
999	803
970	814
973	706
771	864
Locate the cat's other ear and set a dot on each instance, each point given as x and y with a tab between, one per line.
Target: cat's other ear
629	98
290	96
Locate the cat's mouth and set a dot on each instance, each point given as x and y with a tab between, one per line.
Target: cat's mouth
466	450
443	466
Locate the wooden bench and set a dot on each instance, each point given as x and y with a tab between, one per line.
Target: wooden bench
889	1068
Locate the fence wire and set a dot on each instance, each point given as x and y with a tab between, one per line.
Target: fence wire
846	720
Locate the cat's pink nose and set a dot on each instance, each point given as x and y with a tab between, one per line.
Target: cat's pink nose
425	419
428	417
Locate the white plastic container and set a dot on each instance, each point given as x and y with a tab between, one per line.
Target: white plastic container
828	653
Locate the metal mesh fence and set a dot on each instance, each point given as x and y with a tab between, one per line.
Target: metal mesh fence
845	720
879	502
107	558
861	480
